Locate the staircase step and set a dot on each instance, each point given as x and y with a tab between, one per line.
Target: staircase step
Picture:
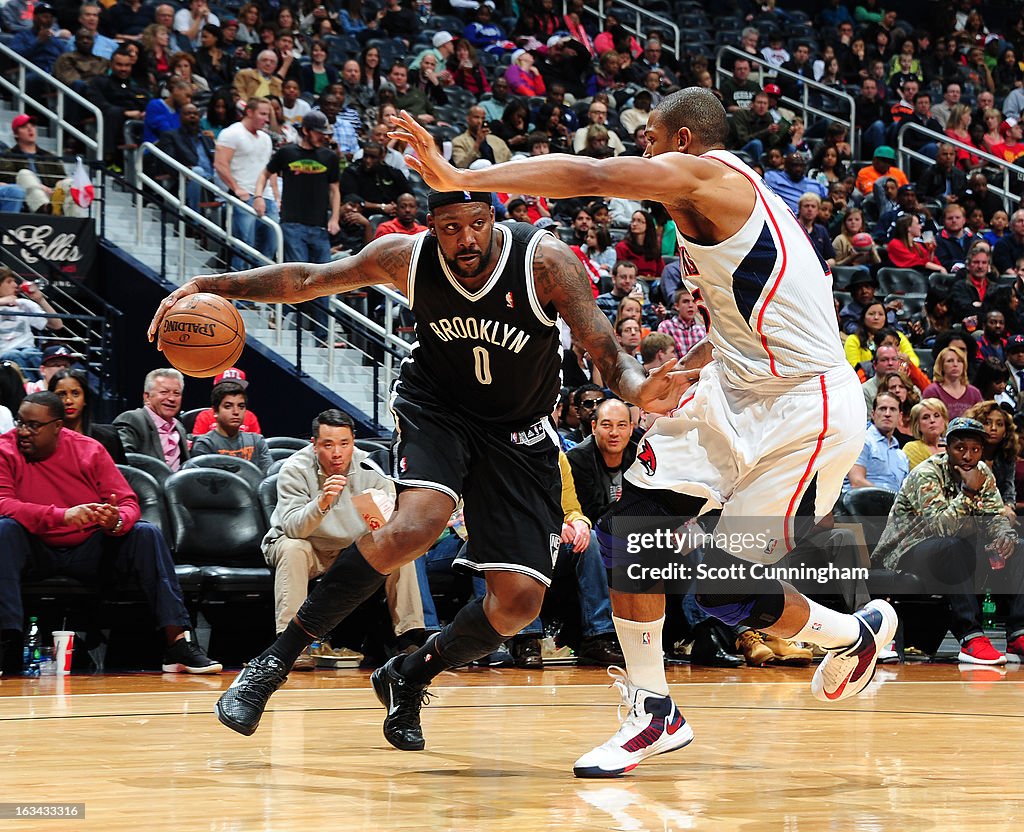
350	378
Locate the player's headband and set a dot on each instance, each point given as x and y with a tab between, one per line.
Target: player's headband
438	199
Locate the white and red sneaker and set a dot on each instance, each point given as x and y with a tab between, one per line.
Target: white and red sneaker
846	671
653	725
979	650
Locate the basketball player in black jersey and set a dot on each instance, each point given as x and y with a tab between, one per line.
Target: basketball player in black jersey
472	408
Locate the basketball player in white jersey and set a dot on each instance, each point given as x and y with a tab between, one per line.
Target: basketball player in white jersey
768	430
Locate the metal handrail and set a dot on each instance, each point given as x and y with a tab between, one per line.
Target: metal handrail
635	28
179	203
17	90
1007	168
808	84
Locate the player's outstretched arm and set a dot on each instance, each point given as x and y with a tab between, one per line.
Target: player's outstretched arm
667	178
385	260
562	281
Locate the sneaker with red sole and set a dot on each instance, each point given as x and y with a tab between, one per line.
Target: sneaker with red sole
1015	650
846	671
979	650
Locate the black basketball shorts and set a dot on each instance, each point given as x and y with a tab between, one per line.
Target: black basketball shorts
509	481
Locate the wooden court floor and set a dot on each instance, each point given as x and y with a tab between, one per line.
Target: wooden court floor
929	747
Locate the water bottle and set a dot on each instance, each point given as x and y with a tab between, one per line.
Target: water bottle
423	10
988	611
30	654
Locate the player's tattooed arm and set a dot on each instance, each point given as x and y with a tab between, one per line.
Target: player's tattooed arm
384	261
562	281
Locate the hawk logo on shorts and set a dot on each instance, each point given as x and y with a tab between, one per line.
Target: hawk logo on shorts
647	459
509	302
555	541
402	464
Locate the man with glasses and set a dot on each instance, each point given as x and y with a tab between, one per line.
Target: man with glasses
65	509
585	400
596	114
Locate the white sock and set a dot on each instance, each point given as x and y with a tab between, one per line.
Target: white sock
641	648
828	628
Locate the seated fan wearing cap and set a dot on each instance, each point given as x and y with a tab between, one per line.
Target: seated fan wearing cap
206	420
974	543
883	163
55	357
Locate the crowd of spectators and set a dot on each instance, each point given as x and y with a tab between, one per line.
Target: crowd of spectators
248	95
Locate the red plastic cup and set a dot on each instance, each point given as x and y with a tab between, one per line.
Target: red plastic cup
64	646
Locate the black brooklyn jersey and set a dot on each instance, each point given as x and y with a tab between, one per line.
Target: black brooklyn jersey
493	353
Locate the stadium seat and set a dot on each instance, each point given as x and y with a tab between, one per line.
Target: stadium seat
913	303
841	275
281	454
275	467
248	471
268	497
150	494
218	525
460	98
188	418
214	518
156	468
370	444
870	507
901	281
287	442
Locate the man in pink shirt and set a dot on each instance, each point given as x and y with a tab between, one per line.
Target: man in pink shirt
65	509
154	430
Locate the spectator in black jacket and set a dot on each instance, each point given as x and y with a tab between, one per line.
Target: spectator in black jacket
193	148
952	242
800	64
943	180
978	195
126	19
378	184
599	462
871	115
120	98
1010	249
922	116
966	294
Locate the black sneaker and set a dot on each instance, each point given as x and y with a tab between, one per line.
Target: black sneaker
186	656
241	705
403	701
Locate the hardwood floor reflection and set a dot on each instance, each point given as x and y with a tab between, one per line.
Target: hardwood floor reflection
928	747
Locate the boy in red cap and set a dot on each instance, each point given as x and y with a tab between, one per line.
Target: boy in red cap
206	420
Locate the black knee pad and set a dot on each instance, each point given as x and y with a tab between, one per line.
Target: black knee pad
756	603
754	611
469	637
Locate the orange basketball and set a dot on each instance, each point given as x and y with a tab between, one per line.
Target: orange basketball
202	335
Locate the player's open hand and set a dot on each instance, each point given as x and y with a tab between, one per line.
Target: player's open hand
428	161
663	388
190	288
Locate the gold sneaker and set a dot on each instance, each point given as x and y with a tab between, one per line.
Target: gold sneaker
306	661
787	652
755	651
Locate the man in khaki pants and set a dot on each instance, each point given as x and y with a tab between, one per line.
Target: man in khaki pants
325	500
